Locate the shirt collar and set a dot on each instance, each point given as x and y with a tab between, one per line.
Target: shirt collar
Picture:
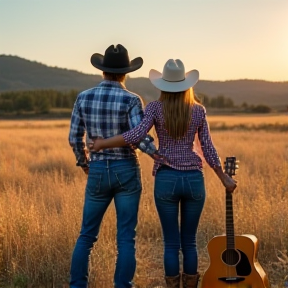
112	83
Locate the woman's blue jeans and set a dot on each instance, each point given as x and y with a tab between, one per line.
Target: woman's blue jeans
179	193
109	179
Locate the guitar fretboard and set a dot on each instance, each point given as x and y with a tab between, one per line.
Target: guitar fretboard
229	222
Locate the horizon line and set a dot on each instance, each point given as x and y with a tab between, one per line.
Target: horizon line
128	75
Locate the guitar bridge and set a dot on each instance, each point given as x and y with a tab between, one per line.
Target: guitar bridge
231	279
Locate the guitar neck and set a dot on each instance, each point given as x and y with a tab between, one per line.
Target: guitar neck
229	222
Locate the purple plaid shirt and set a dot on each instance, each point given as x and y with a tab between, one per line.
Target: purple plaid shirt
179	154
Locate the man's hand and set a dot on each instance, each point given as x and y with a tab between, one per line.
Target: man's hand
84	166
85	169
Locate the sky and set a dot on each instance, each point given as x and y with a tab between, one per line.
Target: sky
223	39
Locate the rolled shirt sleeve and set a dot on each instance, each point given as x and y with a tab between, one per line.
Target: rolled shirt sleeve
76	135
146	143
136	113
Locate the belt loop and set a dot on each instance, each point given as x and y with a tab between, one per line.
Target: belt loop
107	163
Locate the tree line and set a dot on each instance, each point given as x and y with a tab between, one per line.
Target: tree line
42	101
221	102
37	101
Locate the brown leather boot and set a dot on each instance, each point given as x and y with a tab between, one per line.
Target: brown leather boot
190	281
173	281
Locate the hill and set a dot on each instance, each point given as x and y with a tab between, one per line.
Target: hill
21	74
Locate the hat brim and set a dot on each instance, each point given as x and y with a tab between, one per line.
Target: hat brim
97	61
191	78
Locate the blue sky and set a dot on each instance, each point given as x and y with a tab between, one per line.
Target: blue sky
223	39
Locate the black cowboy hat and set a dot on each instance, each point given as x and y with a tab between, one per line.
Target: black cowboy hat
116	60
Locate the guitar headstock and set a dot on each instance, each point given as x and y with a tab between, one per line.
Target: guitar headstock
231	165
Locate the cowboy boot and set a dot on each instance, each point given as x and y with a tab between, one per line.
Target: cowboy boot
173	281
190	281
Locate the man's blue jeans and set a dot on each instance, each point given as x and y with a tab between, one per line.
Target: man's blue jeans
109	179
184	190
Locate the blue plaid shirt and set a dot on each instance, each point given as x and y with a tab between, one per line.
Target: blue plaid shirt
104	111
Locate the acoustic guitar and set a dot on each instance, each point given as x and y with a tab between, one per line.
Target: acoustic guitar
233	258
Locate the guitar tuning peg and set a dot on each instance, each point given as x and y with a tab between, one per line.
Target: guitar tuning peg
236	166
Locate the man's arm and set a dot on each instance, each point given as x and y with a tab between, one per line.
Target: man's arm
76	137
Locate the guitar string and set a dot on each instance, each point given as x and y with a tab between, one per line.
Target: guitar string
230	256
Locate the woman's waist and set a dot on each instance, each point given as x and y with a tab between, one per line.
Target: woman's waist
181	158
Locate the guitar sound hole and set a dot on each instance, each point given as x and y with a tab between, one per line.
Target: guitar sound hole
230	257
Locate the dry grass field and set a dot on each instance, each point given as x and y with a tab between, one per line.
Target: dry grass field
254	119
268	122
41	197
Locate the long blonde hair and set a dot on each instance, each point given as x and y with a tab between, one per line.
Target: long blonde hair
177	109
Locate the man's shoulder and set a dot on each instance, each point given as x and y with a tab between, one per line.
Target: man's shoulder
112	87
82	95
132	97
109	90
88	91
133	94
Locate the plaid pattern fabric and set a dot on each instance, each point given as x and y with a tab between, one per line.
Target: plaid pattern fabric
179	154
104	111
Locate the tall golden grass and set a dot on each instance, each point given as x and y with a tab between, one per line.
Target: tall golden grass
268	122
41	198
248	119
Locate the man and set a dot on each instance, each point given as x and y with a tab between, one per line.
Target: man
103	111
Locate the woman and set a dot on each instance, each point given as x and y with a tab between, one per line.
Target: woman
179	181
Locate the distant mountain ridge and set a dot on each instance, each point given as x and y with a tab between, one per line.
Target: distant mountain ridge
21	74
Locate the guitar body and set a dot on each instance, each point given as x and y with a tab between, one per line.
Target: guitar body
244	272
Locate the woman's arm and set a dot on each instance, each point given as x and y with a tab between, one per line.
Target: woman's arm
130	137
209	152
140	131
211	156
112	142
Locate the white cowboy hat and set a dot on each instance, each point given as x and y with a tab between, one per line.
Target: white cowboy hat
173	78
